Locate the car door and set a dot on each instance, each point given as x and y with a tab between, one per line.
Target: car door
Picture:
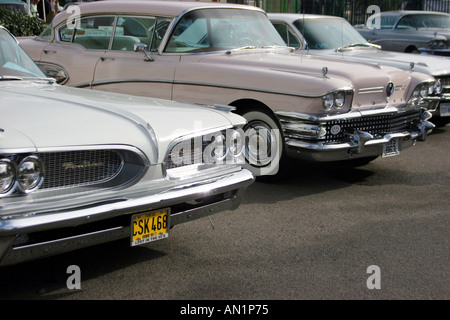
77	50
142	71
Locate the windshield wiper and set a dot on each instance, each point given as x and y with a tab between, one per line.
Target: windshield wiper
52	80
241	48
352	45
8	78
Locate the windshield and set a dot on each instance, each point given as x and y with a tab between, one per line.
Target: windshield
223	29
14	62
328	33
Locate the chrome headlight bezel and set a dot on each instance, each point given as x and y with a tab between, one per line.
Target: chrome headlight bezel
8	171
421	92
30	174
27	174
336	100
204	153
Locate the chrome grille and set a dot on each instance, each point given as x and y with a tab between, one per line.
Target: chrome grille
376	125
79	168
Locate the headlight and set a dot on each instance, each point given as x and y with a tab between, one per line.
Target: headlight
421	92
437	88
7	176
189	157
328	101
437	44
339	99
424	90
334	100
30	174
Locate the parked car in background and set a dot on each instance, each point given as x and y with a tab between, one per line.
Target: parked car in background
409	31
334	37
304	107
81	167
15	5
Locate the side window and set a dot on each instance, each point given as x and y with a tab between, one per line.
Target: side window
286	33
131	30
158	33
282	30
293	41
92	33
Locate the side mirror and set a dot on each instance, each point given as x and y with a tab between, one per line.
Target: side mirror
142	47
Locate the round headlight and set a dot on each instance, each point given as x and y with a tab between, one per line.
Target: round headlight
339	99
30	174
7	176
424	90
437	88
216	150
235	142
328	101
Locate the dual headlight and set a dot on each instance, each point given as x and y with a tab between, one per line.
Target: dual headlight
23	177
191	156
437	44
425	90
335	100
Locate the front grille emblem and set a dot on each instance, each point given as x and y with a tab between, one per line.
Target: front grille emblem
390	89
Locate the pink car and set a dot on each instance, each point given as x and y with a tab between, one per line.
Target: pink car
300	106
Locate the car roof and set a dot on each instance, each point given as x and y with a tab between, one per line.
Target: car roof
157	8
296	16
405	12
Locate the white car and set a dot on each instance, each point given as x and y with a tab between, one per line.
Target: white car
79	167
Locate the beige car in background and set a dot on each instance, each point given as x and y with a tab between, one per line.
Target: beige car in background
300	106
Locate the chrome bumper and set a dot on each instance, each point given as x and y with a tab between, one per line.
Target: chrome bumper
362	145
78	227
304	135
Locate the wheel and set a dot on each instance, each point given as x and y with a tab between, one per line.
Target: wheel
263	143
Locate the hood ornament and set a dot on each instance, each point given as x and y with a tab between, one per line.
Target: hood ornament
411	65
325	72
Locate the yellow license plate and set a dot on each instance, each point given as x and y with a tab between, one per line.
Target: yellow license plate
149	226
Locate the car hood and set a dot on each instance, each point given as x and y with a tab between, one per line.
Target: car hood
297	75
37	116
432	65
253	68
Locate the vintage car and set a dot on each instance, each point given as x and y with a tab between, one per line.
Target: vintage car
81	167
304	107
331	36
409	31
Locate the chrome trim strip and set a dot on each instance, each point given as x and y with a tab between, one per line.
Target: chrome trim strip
210	85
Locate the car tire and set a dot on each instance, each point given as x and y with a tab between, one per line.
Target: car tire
263	144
